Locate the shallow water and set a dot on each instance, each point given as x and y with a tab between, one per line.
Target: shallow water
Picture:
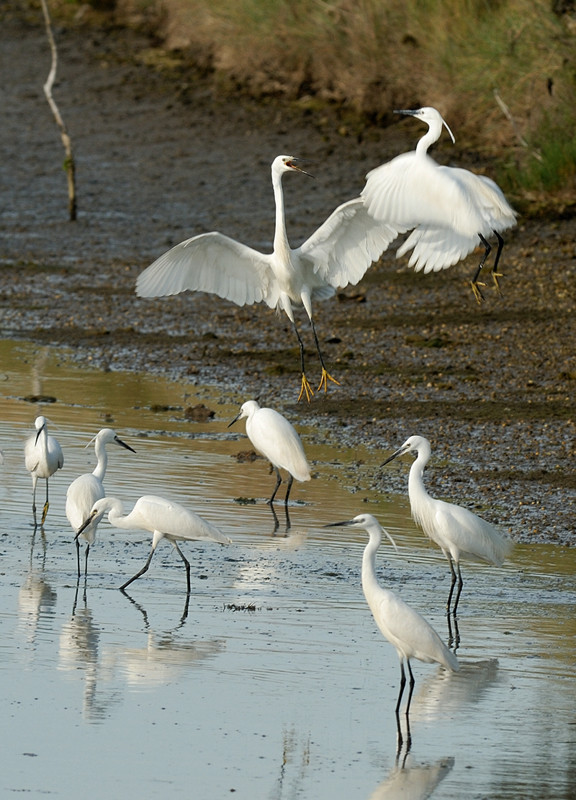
274	682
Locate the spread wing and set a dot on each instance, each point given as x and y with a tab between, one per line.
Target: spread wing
346	244
413	190
213	263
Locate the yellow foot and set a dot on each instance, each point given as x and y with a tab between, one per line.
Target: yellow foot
44	514
324	381
305	389
495	276
477	293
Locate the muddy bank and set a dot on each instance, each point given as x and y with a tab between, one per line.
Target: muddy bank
161	159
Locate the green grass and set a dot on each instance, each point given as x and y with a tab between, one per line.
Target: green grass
368	57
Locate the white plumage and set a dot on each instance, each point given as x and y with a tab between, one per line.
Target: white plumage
449	210
86	489
458	532
338	253
163	518
406	629
42	458
277	440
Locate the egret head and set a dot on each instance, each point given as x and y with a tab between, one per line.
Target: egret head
430	116
109	436
99	508
366	521
414	445
288	164
40	425
246	410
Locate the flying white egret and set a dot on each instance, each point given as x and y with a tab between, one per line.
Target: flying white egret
450	210
276	439
42	457
86	489
459	533
338	253
405	628
163	518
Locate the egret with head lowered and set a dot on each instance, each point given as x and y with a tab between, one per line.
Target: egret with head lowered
42	457
338	253
449	210
163	518
86	489
404	627
459	533
277	440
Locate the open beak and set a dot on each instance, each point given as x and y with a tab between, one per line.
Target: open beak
298	168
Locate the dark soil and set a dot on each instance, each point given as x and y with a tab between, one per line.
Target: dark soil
162	156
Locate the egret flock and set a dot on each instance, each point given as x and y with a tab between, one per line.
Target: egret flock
447	212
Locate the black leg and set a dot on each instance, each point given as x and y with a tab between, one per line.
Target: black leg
78	556
459	592
305	388
402	685
411	689
278	482
450	593
487	248
290	482
86	560
186	564
140	573
495	273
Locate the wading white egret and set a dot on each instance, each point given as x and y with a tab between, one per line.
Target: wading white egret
277	440
451	210
459	533
86	489
161	517
42	457
338	253
405	628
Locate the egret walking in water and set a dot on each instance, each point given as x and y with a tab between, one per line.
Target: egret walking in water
42	457
450	210
338	253
459	533
163	518
86	489
405	628
276	439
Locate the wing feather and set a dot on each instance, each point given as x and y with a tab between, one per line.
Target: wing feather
213	263
346	244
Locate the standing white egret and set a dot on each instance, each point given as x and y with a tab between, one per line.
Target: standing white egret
459	533
276	439
86	489
450	210
338	253
42	457
405	628
163	518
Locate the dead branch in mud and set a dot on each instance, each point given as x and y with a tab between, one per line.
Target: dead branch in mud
69	163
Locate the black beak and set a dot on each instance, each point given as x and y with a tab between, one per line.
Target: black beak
123	444
236	418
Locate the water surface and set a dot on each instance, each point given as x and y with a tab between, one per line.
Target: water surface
273	682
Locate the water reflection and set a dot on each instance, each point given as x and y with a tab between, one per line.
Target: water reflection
166	658
447	692
78	654
36	600
408	781
294	765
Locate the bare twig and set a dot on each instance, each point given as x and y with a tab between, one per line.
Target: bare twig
508	114
69	164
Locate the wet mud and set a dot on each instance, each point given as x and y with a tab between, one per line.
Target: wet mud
162	156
